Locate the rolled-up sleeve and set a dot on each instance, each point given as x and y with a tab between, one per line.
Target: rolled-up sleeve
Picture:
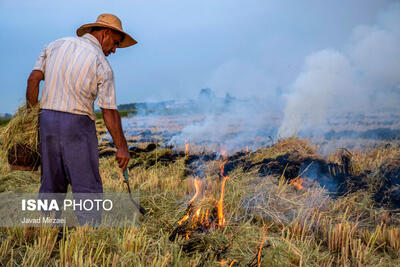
105	87
41	61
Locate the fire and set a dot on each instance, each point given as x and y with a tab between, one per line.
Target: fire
221	173
223	152
221	218
203	214
247	149
186	148
197	186
222	166
297	183
259	253
183	219
223	263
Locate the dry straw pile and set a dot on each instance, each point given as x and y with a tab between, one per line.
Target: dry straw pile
22	130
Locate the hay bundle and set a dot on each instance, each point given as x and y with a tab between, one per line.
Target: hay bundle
19	139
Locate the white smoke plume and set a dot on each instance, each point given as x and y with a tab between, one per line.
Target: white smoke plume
238	125
364	76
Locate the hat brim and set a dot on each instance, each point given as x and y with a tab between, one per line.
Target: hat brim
127	41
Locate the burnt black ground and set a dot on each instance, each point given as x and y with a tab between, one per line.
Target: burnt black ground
337	179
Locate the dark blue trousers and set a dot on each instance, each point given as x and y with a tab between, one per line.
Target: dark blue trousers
68	149
69	155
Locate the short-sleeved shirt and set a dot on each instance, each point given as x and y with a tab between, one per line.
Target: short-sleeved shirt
76	71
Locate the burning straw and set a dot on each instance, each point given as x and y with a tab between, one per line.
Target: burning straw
203	214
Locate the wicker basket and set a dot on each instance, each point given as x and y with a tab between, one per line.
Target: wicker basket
23	158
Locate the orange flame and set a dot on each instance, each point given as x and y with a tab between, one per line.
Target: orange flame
186	148
220	207
208	214
223	262
197	214
221	219
259	254
222	167
197	186
260	251
247	149
223	153
183	219
233	262
297	183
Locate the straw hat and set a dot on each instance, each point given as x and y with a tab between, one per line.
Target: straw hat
108	21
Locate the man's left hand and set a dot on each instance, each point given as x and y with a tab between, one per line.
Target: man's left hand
113	123
122	156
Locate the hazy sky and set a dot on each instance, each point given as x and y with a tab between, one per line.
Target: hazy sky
248	48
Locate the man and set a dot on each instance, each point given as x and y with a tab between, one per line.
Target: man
75	72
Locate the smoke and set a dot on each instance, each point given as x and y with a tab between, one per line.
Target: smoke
327	77
361	77
364	76
232	126
334	86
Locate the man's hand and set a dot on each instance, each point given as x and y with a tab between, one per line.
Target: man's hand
113	123
32	89
122	156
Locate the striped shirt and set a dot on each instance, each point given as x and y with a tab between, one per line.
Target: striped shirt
76	71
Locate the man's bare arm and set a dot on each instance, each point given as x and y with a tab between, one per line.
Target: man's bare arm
113	123
32	89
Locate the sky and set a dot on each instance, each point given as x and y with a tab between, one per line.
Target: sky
253	48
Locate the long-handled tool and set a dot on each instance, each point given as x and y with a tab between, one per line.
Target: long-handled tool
126	180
